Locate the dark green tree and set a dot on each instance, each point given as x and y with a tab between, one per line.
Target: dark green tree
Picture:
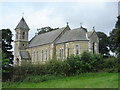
103	43
6	46
46	29
115	37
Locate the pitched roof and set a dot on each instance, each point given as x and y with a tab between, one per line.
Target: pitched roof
73	35
22	25
24	55
46	38
89	34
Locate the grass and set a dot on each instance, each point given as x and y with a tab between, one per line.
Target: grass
86	80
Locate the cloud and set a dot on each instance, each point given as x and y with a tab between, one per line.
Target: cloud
101	15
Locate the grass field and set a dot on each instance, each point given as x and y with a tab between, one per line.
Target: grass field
87	80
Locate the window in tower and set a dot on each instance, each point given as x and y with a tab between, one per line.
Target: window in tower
23	35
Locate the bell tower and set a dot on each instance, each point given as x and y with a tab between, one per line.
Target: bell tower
21	40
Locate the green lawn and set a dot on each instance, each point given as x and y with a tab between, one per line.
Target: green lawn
88	80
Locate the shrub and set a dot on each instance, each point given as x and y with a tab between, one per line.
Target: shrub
57	67
97	62
111	64
21	72
86	62
75	65
87	59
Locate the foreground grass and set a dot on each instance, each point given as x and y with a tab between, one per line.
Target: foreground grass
87	80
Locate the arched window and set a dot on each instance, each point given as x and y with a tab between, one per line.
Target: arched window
61	53
46	56
68	52
93	47
77	49
42	55
23	35
37	55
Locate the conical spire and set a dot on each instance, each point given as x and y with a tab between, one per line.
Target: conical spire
22	25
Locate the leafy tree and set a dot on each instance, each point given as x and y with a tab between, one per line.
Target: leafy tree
115	38
115	41
46	29
5	44
112	39
103	43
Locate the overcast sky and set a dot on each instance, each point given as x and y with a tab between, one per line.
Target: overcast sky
102	15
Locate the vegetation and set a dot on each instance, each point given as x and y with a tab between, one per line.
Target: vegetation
46	29
7	55
115	38
73	65
115	41
85	80
103	43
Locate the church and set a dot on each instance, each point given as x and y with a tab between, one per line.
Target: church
60	43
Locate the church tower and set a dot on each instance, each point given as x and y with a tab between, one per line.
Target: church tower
21	42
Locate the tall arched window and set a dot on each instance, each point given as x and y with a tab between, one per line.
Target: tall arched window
61	53
77	51
23	35
42	54
37	55
93	47
46	52
68	52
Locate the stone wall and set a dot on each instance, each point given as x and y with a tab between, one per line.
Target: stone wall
40	54
69	48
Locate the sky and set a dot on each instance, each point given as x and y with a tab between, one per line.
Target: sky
101	15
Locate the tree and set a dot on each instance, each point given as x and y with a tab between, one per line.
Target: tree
103	43
112	39
5	42
115	38
46	29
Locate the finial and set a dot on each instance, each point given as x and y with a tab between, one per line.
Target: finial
22	14
67	23
81	25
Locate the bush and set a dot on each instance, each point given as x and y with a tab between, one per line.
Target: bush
111	64
57	67
75	65
97	62
21	72
86	62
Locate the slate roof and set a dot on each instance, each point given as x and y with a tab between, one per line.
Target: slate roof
22	25
24	55
89	33
73	35
46	38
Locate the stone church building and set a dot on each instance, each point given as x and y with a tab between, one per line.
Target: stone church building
59	43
